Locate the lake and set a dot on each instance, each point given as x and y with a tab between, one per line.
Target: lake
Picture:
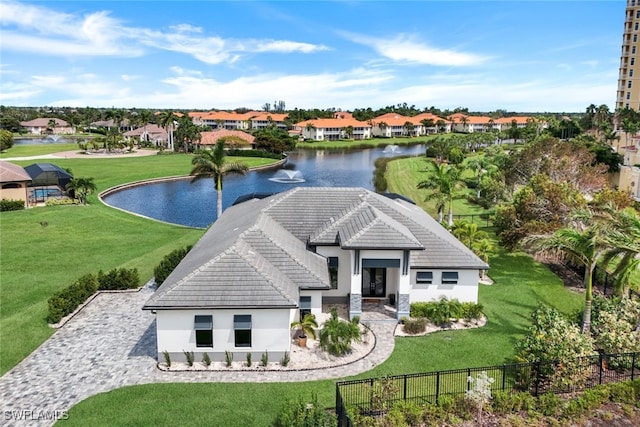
194	204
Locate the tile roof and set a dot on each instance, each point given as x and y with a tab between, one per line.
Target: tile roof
256	254
10	172
211	137
150	129
44	122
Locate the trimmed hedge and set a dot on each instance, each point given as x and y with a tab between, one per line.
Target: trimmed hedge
169	263
441	312
68	299
254	153
117	279
64	302
11	205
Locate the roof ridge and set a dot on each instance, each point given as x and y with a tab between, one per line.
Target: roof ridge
255	259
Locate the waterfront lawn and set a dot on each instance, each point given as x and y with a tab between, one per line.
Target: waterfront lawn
362	143
37	150
520	283
403	175
44	249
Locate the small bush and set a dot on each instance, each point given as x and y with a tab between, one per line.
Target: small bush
622	393
228	358
167	358
549	404
415	326
249	359
302	414
117	279
206	360
189	356
337	335
264	360
285	359
169	263
11	205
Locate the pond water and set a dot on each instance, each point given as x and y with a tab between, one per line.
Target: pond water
51	139
193	204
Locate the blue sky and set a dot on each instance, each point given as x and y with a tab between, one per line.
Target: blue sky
542	56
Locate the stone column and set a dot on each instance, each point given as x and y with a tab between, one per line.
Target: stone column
355	305
404	306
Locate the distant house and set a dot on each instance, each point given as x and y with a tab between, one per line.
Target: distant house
235	137
48	125
151	132
266	262
14	181
341	127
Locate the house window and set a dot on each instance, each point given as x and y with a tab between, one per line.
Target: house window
305	306
630	73
204	331
629	84
424	277
242	330
635	27
449	277
633	61
635	38
633	50
628	95
333	271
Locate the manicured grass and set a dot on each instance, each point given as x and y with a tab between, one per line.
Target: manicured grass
403	175
38	260
37	149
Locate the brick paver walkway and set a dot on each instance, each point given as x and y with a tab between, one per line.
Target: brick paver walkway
111	344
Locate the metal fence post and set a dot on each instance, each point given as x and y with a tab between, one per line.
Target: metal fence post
600	374
404	393
504	376
633	364
437	387
537	365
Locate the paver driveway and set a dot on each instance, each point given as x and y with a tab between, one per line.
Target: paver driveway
111	344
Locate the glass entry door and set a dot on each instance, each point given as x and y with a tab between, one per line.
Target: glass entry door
374	282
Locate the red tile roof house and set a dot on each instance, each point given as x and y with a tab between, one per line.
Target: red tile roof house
392	125
333	129
14	181
267	261
41	126
233	138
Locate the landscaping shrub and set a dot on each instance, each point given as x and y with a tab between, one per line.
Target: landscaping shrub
302	414
552	338
249	359
228	358
337	335
60	202
64	302
285	359
167	358
121	278
206	360
443	311
613	325
169	263
189	356
11	205
415	326
264	360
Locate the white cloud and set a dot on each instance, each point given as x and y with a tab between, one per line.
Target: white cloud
36	29
404	49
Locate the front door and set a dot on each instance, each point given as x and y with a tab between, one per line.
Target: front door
374	281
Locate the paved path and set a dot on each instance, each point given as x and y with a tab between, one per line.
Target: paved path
111	344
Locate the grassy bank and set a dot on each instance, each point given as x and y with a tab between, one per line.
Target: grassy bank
36	149
44	249
351	144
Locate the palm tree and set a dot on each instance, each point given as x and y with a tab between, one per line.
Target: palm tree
167	121
427	124
484	249
211	164
624	254
585	247
444	179
408	126
81	187
468	233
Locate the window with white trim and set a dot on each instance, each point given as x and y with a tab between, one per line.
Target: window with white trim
242	330
449	277
424	277
203	326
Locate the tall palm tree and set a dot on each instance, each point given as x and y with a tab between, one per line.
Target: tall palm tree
444	179
211	164
167	121
408	126
81	187
583	246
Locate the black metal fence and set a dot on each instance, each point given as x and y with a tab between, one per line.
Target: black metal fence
483	220
375	396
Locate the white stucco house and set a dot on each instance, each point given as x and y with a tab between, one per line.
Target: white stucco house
267	261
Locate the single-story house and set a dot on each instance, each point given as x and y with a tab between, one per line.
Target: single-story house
235	138
14	181
45	125
151	132
267	261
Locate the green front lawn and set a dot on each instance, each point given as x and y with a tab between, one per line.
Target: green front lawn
44	249
37	149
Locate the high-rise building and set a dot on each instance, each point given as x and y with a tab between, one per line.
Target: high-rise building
628	79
